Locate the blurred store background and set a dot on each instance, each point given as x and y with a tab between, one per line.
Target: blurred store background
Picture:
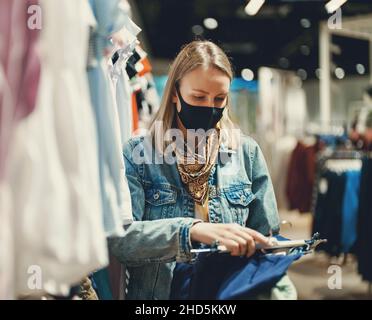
302	90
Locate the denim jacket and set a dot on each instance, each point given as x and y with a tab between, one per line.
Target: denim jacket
240	192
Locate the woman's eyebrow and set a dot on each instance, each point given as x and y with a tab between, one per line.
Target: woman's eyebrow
200	90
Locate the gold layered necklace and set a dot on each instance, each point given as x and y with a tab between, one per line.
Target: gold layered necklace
195	166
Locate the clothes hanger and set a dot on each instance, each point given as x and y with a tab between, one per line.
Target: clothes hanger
279	246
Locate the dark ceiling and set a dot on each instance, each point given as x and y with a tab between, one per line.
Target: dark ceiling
278	36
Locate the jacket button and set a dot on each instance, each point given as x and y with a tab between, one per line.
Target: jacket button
217	219
156	196
242	198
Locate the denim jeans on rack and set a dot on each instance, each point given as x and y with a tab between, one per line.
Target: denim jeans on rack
350	211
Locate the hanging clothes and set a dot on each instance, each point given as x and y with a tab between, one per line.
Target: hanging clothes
121	87
111	97
124	102
328	211
301	176
19	79
114	191
135	112
53	173
350	211
151	95
19	69
147	101
337	201
124	198
146	67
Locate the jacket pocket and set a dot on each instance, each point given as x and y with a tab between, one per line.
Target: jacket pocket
159	201
238	200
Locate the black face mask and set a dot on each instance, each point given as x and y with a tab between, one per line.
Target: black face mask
195	117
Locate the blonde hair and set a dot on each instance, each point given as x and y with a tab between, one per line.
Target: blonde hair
198	53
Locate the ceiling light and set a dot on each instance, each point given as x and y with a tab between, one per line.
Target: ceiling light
305	23
333	5
360	68
340	73
210	23
253	7
197	30
247	74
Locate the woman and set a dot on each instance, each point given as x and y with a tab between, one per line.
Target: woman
218	191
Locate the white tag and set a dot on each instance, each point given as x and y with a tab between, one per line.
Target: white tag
323	186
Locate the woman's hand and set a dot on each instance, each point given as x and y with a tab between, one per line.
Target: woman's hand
238	240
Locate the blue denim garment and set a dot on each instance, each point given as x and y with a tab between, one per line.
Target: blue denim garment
350	210
102	284
240	192
221	276
336	211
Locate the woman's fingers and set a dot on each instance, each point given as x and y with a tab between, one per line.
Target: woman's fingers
231	246
258	237
250	243
251	248
246	237
242	242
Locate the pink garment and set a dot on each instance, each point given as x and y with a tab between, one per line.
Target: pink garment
19	78
19	68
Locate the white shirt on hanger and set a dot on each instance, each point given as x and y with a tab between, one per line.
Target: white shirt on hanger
54	170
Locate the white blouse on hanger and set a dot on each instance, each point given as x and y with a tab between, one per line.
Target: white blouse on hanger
54	170
126	203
